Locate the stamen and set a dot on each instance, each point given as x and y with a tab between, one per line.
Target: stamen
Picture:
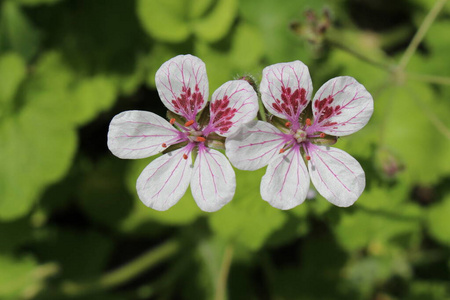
308	157
308	122
288	124
282	150
185	156
200	139
322	135
164	145
189	123
172	121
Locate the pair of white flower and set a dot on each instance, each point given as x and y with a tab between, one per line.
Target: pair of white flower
341	106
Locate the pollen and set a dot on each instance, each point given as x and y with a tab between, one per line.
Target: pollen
322	135
288	124
308	122
282	150
308	157
200	139
172	121
189	123
185	156
164	145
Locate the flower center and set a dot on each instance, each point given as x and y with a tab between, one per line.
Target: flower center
195	136
300	136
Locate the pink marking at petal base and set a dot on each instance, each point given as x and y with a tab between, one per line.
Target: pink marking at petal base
222	114
290	102
188	103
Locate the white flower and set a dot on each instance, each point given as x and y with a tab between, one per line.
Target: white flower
340	107
182	85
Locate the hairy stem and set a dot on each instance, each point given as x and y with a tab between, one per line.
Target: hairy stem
428	78
221	286
420	34
125	273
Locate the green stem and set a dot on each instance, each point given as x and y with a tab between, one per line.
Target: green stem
429	78
221	286
361	56
123	274
440	126
420	34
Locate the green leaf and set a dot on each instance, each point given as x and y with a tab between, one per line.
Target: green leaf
21	278
272	19
241	56
12	73
412	135
379	216
16	32
247	220
218	22
164	19
438	220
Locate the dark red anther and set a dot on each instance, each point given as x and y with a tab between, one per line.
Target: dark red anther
322	135
308	122
282	150
288	124
164	145
185	156
308	157
172	121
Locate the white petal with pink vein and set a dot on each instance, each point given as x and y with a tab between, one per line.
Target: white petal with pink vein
232	104
341	106
165	180
254	145
182	85
138	134
336	175
286	182
286	89
213	182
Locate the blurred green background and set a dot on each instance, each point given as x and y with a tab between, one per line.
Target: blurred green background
71	226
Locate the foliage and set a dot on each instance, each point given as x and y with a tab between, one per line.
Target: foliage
71	225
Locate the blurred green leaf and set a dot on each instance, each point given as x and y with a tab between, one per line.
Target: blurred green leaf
438	221
21	278
381	215
218	22
164	19
239	57
16	32
175	20
12	73
247	220
403	116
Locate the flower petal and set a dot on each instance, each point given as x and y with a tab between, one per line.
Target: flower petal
336	175
286	89
213	182
341	106
233	103
254	145
182	85
165	180
138	134
286	182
